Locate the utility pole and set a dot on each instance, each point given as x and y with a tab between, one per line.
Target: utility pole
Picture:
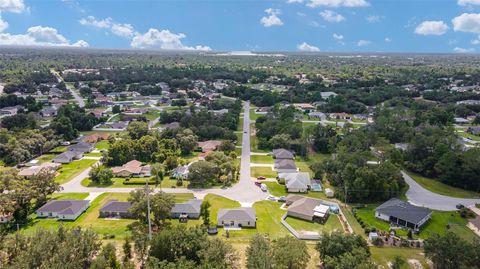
148	211
345	185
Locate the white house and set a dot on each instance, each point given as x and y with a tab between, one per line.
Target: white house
237	217
63	209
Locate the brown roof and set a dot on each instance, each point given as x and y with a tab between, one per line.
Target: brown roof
96	137
304	205
34	170
133	167
209	145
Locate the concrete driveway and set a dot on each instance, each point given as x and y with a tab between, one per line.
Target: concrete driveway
420	196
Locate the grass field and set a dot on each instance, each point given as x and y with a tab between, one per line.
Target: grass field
261	159
94	154
70	170
102	145
263	171
332	224
438	224
385	255
239	138
253	116
70	195
45	158
119	182
441	188
240	124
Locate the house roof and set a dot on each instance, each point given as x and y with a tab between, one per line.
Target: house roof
68	207
237	214
133	167
189	207
403	210
285	164
116	206
303	205
80	146
34	170
282	154
209	145
67	155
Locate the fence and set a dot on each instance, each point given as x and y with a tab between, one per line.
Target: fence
297	234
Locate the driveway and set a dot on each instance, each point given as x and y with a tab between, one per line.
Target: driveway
420	196
244	191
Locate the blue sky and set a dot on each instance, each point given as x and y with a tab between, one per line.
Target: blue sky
221	25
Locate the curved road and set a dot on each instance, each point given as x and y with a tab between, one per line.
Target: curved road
244	191
78	98
420	196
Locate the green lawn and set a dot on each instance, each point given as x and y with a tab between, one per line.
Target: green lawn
441	188
385	255
240	124
94	154
70	195
279	190
46	158
239	138
261	159
118	182
332	224
438	223
263	171
253	116
70	170
59	149
468	135
102	145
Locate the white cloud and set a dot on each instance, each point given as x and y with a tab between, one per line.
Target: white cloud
306	47
272	19
431	28
463	50
331	16
337	3
476	41
164	39
39	36
119	29
15	6
375	18
363	43
468	2
388	39
3	25
467	22
294	1
338	38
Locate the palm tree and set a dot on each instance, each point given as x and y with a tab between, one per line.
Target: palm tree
158	171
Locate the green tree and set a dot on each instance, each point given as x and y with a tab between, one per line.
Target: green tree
201	173
107	258
187	141
158	172
290	253
259	253
205	212
127	250
397	263
449	251
338	250
161	204
217	253
101	175
137	129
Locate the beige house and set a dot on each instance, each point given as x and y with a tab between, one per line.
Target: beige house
133	168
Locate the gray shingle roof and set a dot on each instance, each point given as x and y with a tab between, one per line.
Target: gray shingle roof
69	207
282	154
284	164
116	206
403	210
237	214
189	207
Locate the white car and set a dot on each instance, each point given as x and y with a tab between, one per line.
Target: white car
263	187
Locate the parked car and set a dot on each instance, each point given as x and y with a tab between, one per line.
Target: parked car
258	183
261	178
263	187
282	199
460	206
272	198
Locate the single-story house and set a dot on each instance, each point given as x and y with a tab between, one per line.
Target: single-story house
296	182
68	157
181	172
340	116
317	115
5	217
186	210
401	146
114	208
474	130
237	217
304	107
461	121
326	95
10	110
49	111
306	208
282	154
94	138
81	147
133	168
63	209
403	213
209	145
37	169
285	166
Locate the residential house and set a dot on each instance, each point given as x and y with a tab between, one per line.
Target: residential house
340	116
180	172
96	137
63	209
133	168
209	145
47	167
327	95
461	121
285	166
49	111
237	217
116	209
403	214
83	147
10	110
317	115
219	111
305	107
306	208
474	130
401	146
186	210
68	157
282	154
296	182
5	217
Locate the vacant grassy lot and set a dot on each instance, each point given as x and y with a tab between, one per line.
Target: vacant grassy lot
385	255
261	159
441	188
70	170
102	145
439	223
332	224
263	171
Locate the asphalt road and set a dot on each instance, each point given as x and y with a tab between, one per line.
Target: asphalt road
78	98
244	191
420	196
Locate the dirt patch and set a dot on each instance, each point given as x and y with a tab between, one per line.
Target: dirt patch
415	264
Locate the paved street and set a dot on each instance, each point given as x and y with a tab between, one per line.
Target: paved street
420	196
78	98
243	191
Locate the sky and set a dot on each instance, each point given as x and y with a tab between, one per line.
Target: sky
446	26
